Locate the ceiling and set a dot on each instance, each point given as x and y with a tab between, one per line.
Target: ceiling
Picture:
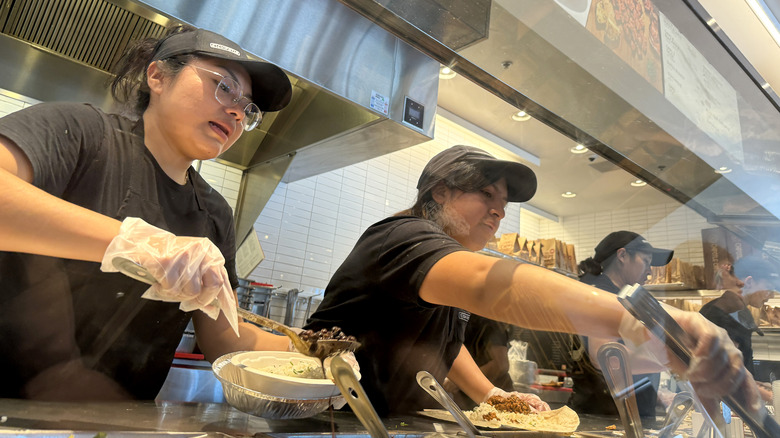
599	184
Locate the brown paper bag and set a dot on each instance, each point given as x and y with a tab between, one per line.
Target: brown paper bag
675	271
571	257
548	253
524	251
534	255
507	244
560	255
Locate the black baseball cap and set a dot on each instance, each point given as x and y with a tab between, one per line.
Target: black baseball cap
631	241
271	90
520	179
757	267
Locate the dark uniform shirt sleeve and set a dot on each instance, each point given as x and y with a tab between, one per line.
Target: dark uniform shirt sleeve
54	137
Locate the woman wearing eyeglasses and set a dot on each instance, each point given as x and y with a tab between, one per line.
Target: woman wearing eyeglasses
80	187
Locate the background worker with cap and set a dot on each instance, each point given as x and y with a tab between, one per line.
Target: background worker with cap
408	287
79	186
621	258
760	281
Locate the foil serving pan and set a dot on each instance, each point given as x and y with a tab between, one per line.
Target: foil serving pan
263	405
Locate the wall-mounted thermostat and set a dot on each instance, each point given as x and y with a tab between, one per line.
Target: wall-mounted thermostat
413	113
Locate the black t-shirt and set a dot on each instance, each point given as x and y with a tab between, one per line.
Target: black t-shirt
54	310
740	334
374	296
591	394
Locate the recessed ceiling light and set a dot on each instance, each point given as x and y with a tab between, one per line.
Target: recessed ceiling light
446	73
579	149
568	194
520	116
638	183
723	169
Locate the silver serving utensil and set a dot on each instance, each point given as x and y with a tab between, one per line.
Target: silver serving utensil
613	359
644	307
354	394
435	390
681	405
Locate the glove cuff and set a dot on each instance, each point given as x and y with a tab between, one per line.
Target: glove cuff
494	391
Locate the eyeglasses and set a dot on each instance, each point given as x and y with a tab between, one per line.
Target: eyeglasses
230	94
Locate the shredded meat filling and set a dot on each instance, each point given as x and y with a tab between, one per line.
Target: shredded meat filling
490	416
512	404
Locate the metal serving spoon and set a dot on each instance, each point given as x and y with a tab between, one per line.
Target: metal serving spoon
320	348
353	393
435	390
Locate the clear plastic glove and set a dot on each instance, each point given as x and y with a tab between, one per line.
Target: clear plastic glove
188	270
534	402
716	367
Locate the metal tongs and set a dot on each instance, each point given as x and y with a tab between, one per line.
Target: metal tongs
435	390
356	397
678	410
613	359
644	307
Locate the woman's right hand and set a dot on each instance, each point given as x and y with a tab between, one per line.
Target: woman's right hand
716	368
187	270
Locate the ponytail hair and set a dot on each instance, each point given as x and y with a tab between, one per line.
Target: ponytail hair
589	266
129	87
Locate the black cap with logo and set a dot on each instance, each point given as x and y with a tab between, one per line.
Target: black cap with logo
271	90
520	180
631	241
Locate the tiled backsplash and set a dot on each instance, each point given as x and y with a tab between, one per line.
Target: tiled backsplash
10	102
225	179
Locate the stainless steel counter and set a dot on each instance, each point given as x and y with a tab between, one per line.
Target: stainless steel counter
131	419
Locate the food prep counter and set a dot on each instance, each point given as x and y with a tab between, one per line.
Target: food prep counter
182	419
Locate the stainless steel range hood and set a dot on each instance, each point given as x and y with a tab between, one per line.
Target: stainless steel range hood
351	79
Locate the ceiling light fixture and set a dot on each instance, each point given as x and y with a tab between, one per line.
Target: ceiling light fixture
638	183
579	149
723	169
521	116
446	73
568	194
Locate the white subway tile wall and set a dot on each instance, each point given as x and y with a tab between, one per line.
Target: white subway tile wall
10	102
225	179
671	226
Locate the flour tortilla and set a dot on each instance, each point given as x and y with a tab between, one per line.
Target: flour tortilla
563	420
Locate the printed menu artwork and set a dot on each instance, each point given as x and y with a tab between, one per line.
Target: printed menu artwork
699	91
646	40
631	29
